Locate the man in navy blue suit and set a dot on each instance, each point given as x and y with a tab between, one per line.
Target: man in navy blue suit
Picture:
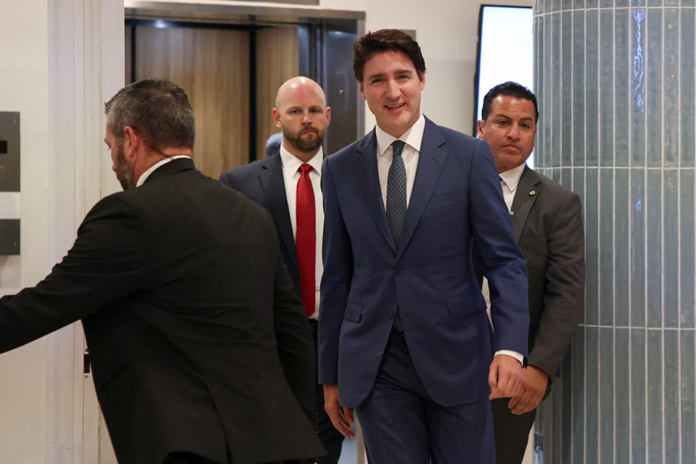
403	336
276	183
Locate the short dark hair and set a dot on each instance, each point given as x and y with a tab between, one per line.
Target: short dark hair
508	89
386	40
157	109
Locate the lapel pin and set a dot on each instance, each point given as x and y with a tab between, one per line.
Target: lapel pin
532	193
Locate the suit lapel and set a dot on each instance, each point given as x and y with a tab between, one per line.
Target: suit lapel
271	177
528	190
365	164
430	163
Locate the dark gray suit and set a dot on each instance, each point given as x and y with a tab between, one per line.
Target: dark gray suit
547	222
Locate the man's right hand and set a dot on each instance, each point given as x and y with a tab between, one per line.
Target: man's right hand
341	417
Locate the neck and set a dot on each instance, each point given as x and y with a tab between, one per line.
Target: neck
152	157
300	155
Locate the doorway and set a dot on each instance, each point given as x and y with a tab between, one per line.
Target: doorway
231	60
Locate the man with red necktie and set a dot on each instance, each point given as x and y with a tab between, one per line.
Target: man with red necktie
289	187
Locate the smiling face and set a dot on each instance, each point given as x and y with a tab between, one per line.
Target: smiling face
302	115
509	130
392	88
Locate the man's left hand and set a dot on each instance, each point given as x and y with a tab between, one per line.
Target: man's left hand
531	391
504	376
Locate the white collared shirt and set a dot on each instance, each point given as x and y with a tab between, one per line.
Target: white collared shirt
508	181
156	166
411	153
291	176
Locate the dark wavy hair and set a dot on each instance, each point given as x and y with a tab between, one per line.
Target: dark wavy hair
386	40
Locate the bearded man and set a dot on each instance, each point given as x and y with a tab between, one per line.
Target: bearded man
289	187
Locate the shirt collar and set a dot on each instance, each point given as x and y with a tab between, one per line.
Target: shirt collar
412	137
155	166
512	177
291	163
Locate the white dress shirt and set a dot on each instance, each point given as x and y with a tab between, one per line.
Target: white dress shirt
154	167
411	153
291	176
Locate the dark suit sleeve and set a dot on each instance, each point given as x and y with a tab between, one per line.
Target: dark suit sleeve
108	261
226	178
335	281
295	341
564	289
502	261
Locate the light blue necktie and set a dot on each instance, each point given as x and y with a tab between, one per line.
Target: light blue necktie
396	205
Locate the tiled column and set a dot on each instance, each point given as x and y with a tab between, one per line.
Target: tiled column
616	87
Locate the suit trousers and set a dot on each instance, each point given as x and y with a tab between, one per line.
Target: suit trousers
402	424
511	432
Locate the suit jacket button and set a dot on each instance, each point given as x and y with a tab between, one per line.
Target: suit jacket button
391	315
399	270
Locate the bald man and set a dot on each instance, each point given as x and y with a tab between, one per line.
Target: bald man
288	186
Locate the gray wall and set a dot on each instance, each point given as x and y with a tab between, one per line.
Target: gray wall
615	80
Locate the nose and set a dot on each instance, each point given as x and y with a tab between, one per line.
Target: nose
514	132
393	90
306	118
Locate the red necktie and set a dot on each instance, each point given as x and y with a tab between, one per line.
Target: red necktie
305	239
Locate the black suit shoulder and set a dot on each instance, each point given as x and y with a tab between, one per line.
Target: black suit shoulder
242	175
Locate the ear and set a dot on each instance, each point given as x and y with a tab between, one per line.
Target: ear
328	115
479	128
362	90
422	81
134	142
276	118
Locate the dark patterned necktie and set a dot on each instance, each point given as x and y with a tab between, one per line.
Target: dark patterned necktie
396	205
396	193
306	239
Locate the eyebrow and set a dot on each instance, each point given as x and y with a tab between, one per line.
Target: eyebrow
501	115
398	71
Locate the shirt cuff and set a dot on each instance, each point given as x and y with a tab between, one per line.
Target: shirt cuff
514	354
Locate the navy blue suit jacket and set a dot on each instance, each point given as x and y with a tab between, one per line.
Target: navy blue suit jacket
262	181
456	197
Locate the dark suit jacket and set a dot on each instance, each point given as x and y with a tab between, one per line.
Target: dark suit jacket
262	181
547	222
456	197
197	340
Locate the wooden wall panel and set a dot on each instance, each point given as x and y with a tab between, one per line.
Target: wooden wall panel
129	54
212	66
278	59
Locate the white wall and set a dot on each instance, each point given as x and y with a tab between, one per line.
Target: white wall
59	61
24	88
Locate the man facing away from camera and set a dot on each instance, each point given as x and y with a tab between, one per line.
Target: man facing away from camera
200	349
403	335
